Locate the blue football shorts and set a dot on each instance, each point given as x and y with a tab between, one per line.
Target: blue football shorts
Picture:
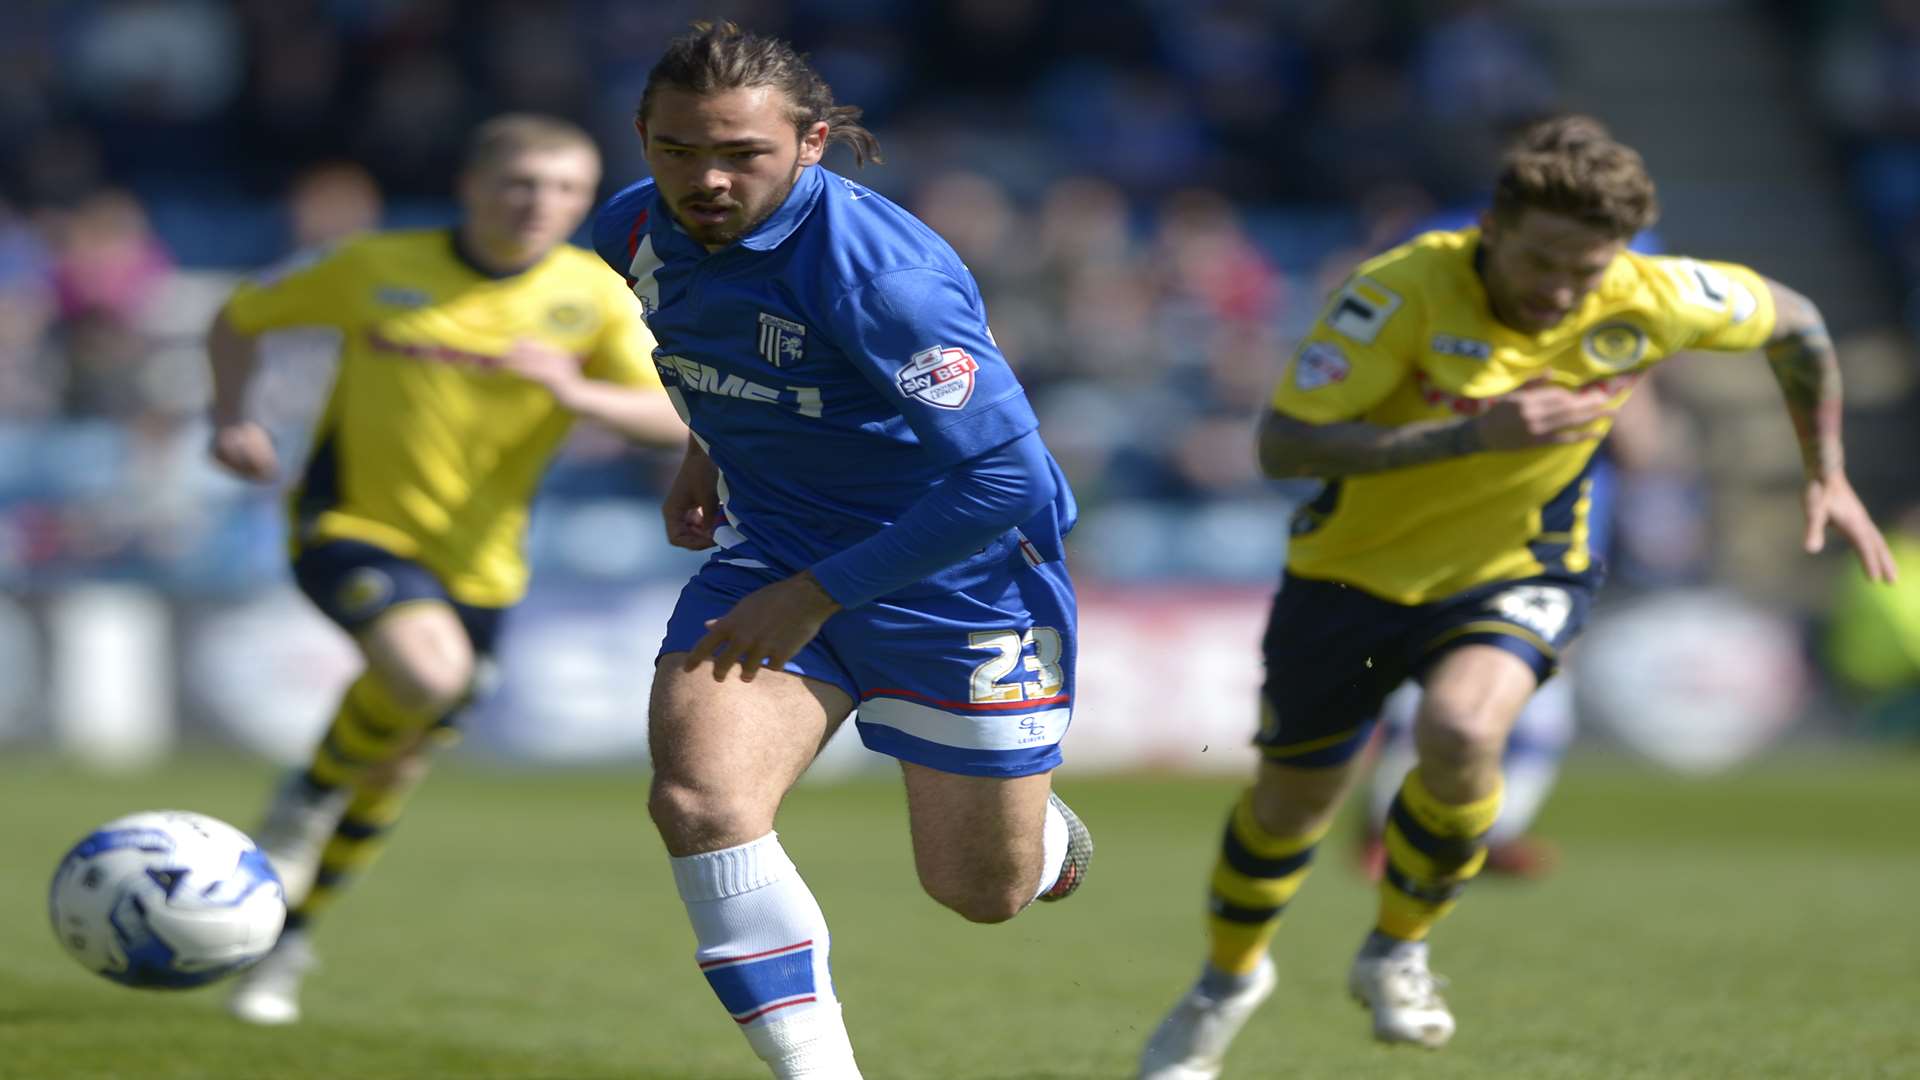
1334	652
975	680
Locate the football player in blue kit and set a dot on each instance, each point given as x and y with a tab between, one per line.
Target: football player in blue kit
889	530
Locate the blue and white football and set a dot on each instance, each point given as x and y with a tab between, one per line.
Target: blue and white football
166	899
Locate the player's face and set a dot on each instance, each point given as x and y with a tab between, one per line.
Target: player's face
524	205
1541	265
725	161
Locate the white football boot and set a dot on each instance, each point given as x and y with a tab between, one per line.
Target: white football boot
298	824
268	993
1191	1043
1405	999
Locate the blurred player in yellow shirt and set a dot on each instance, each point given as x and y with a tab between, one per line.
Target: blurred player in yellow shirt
465	355
1451	397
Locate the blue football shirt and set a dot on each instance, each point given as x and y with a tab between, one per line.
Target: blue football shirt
835	363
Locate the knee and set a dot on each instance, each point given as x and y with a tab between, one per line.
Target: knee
977	900
1455	737
1294	802
431	690
694	818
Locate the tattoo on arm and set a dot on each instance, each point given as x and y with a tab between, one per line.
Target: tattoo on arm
1808	370
1290	447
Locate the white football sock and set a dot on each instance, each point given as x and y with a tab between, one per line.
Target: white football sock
763	948
1053	850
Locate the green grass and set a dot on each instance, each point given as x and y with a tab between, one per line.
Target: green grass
524	926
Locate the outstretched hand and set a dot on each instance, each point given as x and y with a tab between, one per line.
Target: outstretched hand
765	629
1830	500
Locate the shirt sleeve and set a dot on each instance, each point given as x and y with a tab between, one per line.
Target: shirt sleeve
1361	347
1720	306
920	337
320	289
624	352
983	498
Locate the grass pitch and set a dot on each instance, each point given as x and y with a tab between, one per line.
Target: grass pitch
524	926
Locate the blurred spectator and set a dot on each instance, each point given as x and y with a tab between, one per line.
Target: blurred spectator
108	269
331	202
1870	78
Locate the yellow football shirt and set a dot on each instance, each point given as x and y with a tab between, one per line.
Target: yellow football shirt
1409	338
424	448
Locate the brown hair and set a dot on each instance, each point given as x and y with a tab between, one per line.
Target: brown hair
1571	165
511	133
721	56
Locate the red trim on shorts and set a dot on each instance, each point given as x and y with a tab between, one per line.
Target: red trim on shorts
984	706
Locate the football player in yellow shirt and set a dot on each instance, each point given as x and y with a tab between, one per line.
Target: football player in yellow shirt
1451	396
466	354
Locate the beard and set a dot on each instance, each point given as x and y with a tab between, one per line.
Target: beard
752	217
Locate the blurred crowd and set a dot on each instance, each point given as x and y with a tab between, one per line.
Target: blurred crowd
1869	73
1154	196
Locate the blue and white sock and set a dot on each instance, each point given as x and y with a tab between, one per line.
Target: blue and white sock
763	948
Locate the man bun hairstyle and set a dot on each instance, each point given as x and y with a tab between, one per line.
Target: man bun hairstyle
719	56
1571	165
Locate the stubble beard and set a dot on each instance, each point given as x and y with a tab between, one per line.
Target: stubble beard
724	237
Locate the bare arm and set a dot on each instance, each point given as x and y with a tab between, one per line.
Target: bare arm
1805	365
241	446
645	416
234	356
1535	415
1290	447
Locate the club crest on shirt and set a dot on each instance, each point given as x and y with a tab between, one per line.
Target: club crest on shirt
940	376
568	317
781	340
1615	345
1321	363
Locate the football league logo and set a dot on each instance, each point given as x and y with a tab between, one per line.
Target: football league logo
940	376
1320	364
781	340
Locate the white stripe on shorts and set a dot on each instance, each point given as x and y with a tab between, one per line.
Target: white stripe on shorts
1012	729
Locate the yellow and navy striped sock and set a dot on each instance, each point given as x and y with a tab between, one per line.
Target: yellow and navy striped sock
1433	850
357	841
370	728
1255	877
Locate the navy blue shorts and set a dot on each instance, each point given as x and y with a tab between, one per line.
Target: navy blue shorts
354	583
1334	652
976	680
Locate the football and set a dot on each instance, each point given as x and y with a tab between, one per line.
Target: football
166	899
